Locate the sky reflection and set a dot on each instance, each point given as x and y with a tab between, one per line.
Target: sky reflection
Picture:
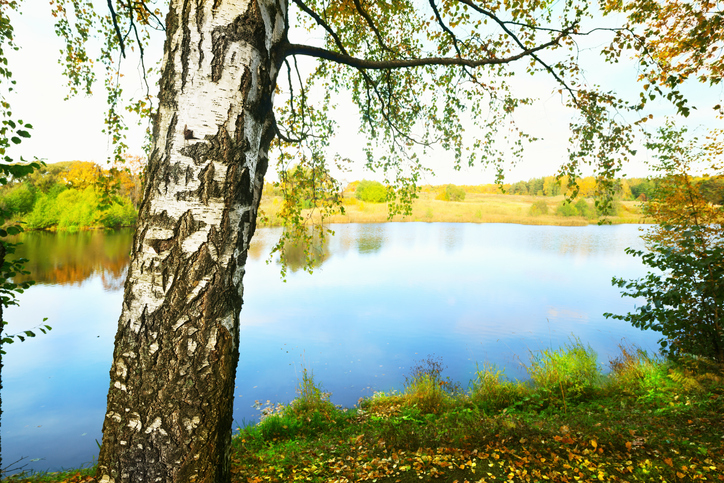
384	297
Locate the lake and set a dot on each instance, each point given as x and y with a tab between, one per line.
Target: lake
385	297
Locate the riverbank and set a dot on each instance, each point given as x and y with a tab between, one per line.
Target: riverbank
477	208
647	420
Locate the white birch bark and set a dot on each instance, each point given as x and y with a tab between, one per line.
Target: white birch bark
170	399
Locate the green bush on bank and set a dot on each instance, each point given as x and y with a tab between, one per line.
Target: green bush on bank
580	208
371	191
452	193
71	209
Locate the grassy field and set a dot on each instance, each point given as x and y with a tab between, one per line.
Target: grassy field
647	420
477	208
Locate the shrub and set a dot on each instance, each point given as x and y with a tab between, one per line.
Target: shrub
566	208
453	193
19	199
538	208
613	208
567	374
584	209
120	213
371	191
491	390
426	390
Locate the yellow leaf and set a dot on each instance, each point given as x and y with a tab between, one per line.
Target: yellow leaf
594	444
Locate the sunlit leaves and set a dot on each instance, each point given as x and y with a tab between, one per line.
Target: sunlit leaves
684	296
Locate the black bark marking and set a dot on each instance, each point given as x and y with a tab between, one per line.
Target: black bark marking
185	42
182	229
199	23
248	27
209	188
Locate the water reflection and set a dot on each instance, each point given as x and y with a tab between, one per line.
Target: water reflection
70	258
370	238
385	296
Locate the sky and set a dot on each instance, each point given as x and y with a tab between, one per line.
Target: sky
67	130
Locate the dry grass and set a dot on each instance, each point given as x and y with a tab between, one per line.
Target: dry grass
477	208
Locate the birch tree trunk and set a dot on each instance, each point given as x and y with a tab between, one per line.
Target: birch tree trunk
171	395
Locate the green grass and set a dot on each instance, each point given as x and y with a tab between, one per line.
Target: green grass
648	419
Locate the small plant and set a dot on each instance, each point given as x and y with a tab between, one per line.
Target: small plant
310	398
425	388
491	390
569	374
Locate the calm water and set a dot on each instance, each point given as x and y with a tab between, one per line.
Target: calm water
384	297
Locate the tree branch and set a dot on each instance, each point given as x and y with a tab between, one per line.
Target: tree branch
364	64
116	27
505	28
372	26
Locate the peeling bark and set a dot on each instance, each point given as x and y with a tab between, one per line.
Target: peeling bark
170	400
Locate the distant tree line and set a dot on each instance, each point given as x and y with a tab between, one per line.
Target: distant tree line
75	195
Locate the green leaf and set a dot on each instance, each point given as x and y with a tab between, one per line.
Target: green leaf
16	140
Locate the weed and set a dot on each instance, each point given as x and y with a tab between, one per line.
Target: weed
491	390
569	374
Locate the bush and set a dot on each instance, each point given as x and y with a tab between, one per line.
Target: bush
538	208
584	209
426	390
452	193
71	209
371	191
569	374
19	199
566	209
684	296
613	208
120	213
491	390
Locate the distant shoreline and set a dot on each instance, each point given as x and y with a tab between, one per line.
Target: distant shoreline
477	208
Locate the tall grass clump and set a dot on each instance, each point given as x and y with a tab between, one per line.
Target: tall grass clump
634	371
307	415
568	374
425	388
491	390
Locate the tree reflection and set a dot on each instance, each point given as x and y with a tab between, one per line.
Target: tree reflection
71	258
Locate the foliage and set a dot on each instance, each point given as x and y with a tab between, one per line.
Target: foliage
371	191
18	199
12	132
452	193
425	389
72	196
490	390
584	209
568	374
538	208
685	293
566	208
